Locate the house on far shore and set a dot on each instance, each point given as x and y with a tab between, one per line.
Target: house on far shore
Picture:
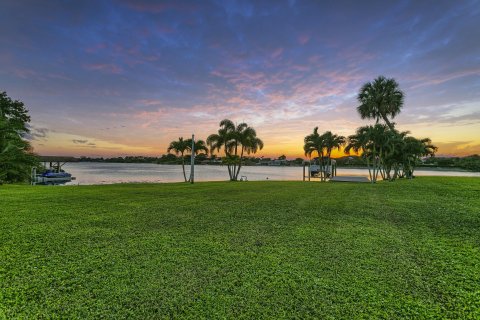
212	161
278	162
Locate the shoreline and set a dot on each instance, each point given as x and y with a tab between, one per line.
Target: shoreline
214	182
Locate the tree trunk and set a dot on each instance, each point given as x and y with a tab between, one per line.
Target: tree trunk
369	172
322	171
240	164
396	168
374	158
330	164
379	169
389	124
229	171
234	173
183	168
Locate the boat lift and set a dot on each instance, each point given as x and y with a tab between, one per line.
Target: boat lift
54	165
311	169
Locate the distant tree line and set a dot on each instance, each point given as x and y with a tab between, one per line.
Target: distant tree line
167	159
471	163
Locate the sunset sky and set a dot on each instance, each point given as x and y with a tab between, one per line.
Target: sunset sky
116	78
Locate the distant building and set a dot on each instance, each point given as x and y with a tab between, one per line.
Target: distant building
278	162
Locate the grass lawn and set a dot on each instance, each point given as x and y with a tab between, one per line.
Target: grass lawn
408	249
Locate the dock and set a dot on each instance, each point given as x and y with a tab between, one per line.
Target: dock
349	179
54	165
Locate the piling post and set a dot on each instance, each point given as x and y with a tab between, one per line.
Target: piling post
309	172
192	161
304	170
34	176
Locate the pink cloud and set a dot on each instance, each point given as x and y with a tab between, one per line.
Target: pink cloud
425	81
315	58
58	76
157	7
303	39
300	68
96	47
276	53
106	68
150	102
24	73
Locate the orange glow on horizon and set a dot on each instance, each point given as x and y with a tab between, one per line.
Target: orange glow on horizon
65	144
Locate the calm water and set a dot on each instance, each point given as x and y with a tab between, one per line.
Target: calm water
104	173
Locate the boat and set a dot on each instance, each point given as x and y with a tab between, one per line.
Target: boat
52	175
328	170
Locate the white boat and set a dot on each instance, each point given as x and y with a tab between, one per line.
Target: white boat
328	170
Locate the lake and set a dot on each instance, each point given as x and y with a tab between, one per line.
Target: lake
106	173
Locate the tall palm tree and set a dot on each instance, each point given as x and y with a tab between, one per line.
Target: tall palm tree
381	98
179	147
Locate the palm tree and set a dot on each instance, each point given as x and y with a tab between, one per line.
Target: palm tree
413	150
222	139
360	143
234	140
332	141
179	147
381	98
380	136
199	146
250	143
392	156
369	141
315	142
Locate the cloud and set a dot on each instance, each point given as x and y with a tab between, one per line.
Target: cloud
303	39
458	148
105	68
282	68
158	7
277	53
439	79
36	133
78	141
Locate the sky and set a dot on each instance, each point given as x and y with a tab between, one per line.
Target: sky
117	78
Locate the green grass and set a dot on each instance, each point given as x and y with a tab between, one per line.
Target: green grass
408	249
